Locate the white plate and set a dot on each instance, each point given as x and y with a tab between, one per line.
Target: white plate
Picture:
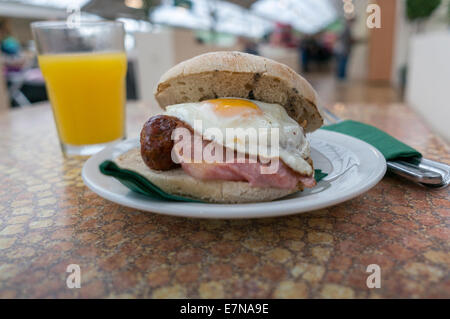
353	167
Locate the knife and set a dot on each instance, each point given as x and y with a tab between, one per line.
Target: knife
419	170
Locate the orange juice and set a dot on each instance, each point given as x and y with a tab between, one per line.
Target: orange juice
87	93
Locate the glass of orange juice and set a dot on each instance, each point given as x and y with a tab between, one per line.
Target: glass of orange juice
84	67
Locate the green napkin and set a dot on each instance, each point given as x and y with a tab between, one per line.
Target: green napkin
319	175
389	146
138	183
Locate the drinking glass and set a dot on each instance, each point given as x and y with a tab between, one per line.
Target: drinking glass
84	67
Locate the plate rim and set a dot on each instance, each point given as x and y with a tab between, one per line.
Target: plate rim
235	211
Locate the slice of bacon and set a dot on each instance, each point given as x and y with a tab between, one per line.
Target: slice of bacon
284	177
212	171
307	181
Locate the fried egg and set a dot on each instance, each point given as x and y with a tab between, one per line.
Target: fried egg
226	113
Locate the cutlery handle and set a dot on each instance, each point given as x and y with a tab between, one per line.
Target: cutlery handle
414	172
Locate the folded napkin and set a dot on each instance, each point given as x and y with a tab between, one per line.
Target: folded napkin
138	183
389	146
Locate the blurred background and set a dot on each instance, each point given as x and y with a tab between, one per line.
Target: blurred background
329	42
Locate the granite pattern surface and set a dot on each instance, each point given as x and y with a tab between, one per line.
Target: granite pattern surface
49	219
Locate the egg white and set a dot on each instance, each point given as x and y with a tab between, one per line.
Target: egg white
293	145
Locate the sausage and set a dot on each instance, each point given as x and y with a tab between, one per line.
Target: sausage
156	141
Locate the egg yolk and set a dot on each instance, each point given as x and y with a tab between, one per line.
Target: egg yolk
234	107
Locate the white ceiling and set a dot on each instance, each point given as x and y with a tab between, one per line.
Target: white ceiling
307	16
231	18
62	4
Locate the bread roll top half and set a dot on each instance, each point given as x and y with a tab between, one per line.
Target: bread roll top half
241	75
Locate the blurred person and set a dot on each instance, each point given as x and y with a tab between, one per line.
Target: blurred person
282	36
10	48
343	49
314	49
328	40
306	48
251	47
266	37
8	44
322	54
24	82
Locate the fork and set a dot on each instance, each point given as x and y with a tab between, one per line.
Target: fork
420	170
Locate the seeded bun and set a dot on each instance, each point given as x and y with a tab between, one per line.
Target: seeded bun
177	182
236	74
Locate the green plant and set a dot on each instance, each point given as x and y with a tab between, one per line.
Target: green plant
420	9
448	12
148	6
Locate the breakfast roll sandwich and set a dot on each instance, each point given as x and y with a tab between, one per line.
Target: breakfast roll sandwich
203	145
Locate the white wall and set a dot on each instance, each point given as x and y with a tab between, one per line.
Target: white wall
428	83
21	10
155	55
403	31
156	52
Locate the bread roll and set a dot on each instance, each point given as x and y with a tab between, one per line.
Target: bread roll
236	74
